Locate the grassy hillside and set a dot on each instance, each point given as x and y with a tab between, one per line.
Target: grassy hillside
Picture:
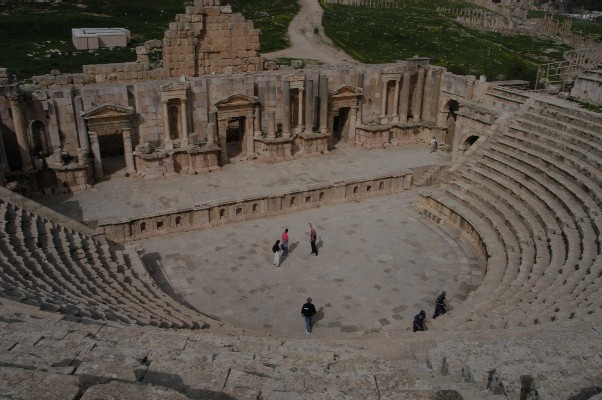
416	28
36	38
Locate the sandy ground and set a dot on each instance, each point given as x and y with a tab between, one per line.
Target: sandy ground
308	45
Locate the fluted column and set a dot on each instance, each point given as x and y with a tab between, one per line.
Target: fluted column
96	155
257	121
211	134
183	107
127	150
352	120
300	110
222	128
309	106
286	112
417	106
470	87
271	125
427	97
323	104
405	94
396	101
436	95
166	121
22	139
383	106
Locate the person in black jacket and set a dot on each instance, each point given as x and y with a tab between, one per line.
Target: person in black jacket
419	321
277	249
440	305
308	311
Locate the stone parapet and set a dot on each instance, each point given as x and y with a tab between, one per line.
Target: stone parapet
206	215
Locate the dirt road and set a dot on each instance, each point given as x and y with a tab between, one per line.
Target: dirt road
308	39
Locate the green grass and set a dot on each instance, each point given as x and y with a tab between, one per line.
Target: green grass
387	35
36	38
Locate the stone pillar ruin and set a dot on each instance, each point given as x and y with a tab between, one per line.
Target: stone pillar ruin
271	125
166	121
396	102
96	155
257	121
352	121
405	94
383	106
211	134
324	104
22	139
300	110
470	81
222	127
428	96
3	159
417	106
128	153
436	95
184	113
286	112
309	106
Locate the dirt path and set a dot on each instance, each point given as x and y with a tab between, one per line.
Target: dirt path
305	43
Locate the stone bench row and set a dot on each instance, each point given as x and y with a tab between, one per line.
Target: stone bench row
576	116
193	364
588	134
77	275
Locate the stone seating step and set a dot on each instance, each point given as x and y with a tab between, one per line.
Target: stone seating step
560	157
584	135
551	166
561	136
579	117
585	154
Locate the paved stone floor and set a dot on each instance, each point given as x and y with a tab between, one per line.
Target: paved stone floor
119	198
379	262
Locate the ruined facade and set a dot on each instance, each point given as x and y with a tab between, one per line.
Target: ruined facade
211	104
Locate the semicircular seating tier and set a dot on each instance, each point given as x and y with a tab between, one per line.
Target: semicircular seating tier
529	199
64	269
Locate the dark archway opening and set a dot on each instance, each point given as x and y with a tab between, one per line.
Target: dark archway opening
111	152
339	126
235	134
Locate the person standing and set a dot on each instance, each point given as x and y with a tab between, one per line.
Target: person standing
285	242
308	311
312	239
434	145
440	305
419	321
277	252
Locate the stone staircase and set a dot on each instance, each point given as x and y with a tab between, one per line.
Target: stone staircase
529	198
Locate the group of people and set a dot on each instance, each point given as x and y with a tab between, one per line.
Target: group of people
280	248
441	307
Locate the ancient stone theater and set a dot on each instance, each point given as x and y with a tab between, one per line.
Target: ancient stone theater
111	175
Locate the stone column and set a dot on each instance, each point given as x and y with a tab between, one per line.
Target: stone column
166	121
352	120
127	150
286	112
250	139
383	106
300	111
417	106
22	139
96	155
211	134
470	80
436	95
222	127
396	102
405	94
257	121
309	106
184	139
427	97
271	125
323	104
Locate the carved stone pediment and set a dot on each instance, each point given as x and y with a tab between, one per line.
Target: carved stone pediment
237	100
396	69
107	111
346	91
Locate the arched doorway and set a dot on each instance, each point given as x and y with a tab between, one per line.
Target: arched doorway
469	141
236	120
340	126
235	136
342	113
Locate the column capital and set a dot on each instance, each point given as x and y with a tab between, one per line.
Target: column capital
471	81
13	99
